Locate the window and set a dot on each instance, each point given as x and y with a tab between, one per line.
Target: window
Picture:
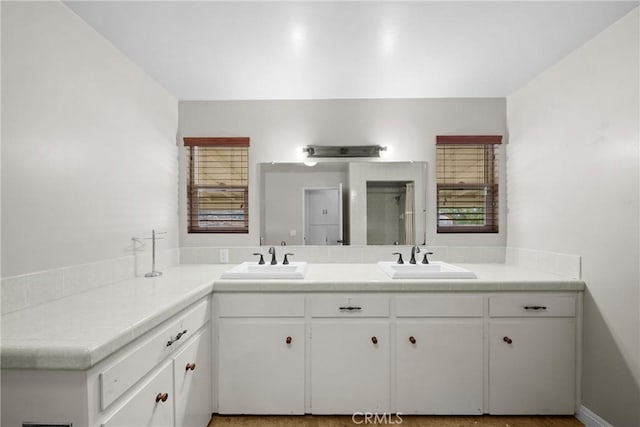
467	183
218	185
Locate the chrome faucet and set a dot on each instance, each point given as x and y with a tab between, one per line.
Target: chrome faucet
272	252
415	249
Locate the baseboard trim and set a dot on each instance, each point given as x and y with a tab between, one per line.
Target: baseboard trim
590	418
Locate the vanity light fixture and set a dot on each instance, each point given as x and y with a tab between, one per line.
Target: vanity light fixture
343	150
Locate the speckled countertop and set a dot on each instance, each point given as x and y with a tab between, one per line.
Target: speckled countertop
78	331
370	278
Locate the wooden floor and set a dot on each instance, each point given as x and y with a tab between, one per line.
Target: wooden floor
406	421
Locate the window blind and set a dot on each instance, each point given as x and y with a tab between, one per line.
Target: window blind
218	185
467	183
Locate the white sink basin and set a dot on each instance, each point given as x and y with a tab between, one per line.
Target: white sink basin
255	271
433	270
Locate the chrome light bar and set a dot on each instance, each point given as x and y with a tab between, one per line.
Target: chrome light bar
343	150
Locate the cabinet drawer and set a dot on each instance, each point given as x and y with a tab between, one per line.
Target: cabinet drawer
117	378
147	407
532	305
350	306
260	305
439	306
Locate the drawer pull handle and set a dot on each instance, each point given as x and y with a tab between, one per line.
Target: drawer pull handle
350	308
190	367
507	340
374	340
535	307
412	340
177	337
162	397
288	340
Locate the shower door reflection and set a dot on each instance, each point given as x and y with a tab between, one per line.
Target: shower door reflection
390	213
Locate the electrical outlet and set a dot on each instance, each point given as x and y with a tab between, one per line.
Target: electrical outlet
293	233
224	256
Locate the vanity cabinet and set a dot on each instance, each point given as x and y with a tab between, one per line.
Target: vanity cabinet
145	383
397	352
532	354
177	391
439	354
261	354
182	384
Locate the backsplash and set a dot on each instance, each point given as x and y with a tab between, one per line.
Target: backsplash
27	290
342	254
565	265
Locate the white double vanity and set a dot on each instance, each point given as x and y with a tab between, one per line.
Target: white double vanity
172	350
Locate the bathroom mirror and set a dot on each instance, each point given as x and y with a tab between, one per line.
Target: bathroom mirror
343	203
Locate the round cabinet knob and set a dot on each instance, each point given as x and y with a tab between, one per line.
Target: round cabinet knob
374	340
191	367
507	340
162	397
288	340
412	340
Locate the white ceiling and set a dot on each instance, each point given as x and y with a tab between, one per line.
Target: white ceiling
321	50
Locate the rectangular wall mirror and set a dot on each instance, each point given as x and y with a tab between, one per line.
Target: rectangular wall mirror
343	203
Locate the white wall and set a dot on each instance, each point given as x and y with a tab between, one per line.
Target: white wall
573	162
89	158
279	129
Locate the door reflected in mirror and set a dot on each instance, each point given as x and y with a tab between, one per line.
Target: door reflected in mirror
390	206
323	216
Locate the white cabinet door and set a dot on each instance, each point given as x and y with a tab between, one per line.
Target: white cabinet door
439	366
349	366
332	206
323	206
152	405
532	366
261	366
192	381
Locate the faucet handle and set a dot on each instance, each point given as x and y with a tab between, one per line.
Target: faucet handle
261	258
285	261
425	260
400	260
